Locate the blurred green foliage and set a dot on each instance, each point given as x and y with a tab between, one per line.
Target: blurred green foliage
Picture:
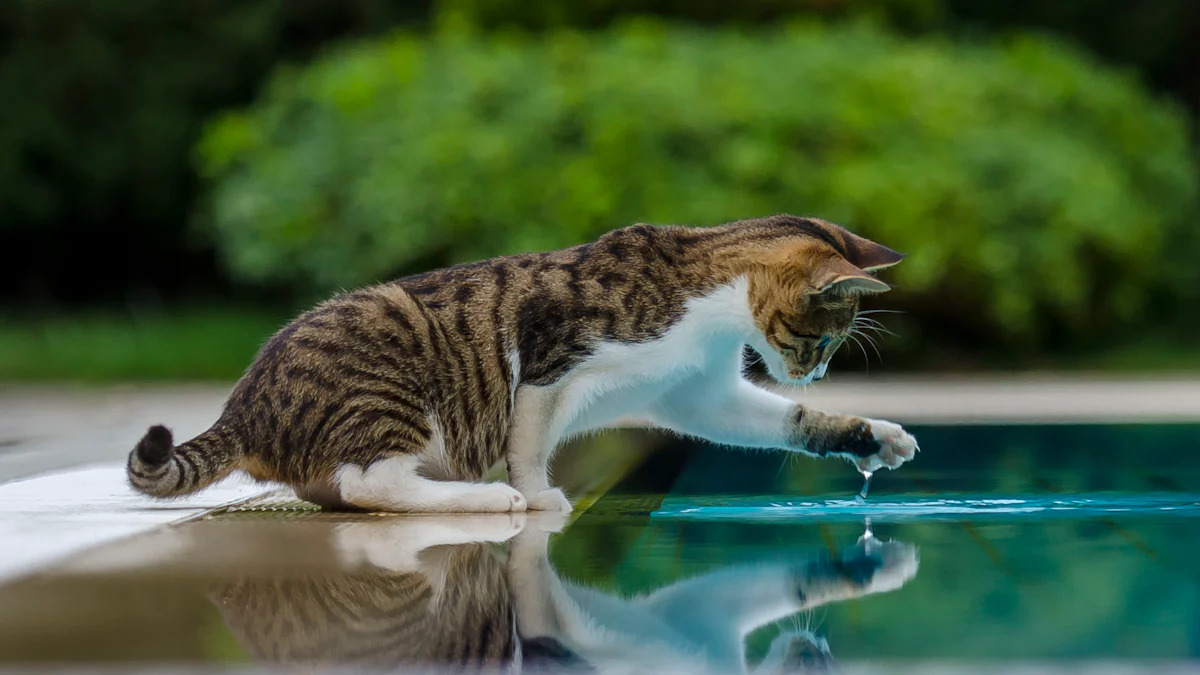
1155	38
103	103
199	344
1041	194
1158	38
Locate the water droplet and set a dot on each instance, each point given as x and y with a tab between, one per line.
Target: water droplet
868	537
862	494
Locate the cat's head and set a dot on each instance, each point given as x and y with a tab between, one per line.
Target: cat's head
805	292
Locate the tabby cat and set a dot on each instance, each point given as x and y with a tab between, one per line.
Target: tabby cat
400	396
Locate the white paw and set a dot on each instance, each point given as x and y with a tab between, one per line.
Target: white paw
899	563
549	521
550	500
491	498
395	543
469	528
896	446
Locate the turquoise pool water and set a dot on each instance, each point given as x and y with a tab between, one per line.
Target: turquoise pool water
787	508
1034	542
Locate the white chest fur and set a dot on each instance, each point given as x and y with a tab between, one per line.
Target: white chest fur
621	380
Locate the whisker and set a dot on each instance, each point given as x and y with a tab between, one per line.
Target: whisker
871	341
782	466
876	329
871	324
866	358
880	311
824	615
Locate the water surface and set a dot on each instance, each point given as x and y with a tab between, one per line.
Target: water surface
998	545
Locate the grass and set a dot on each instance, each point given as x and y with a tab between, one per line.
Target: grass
216	344
196	345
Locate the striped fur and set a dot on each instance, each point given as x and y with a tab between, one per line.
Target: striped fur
434	367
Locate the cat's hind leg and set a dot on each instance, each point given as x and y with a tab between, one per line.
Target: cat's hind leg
395	483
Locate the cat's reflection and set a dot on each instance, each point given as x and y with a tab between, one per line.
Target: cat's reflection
434	591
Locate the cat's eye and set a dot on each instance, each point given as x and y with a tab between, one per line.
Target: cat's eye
824	342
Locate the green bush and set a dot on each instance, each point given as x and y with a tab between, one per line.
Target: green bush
1039	194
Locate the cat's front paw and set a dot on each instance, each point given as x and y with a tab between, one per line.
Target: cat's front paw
553	500
891	445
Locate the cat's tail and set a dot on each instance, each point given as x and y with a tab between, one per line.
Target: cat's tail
158	468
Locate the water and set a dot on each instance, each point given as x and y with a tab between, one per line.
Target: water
1034	543
862	494
953	508
997	545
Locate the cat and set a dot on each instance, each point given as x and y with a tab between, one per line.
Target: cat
400	396
425	594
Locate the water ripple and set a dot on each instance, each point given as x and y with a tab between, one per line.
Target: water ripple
945	508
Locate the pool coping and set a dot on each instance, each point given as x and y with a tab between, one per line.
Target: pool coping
1016	399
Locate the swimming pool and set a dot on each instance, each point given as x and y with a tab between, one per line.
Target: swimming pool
998	545
1035	542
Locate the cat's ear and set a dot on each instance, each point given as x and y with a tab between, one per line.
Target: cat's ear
838	275
868	255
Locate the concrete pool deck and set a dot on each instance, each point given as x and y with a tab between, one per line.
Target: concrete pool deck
62	449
